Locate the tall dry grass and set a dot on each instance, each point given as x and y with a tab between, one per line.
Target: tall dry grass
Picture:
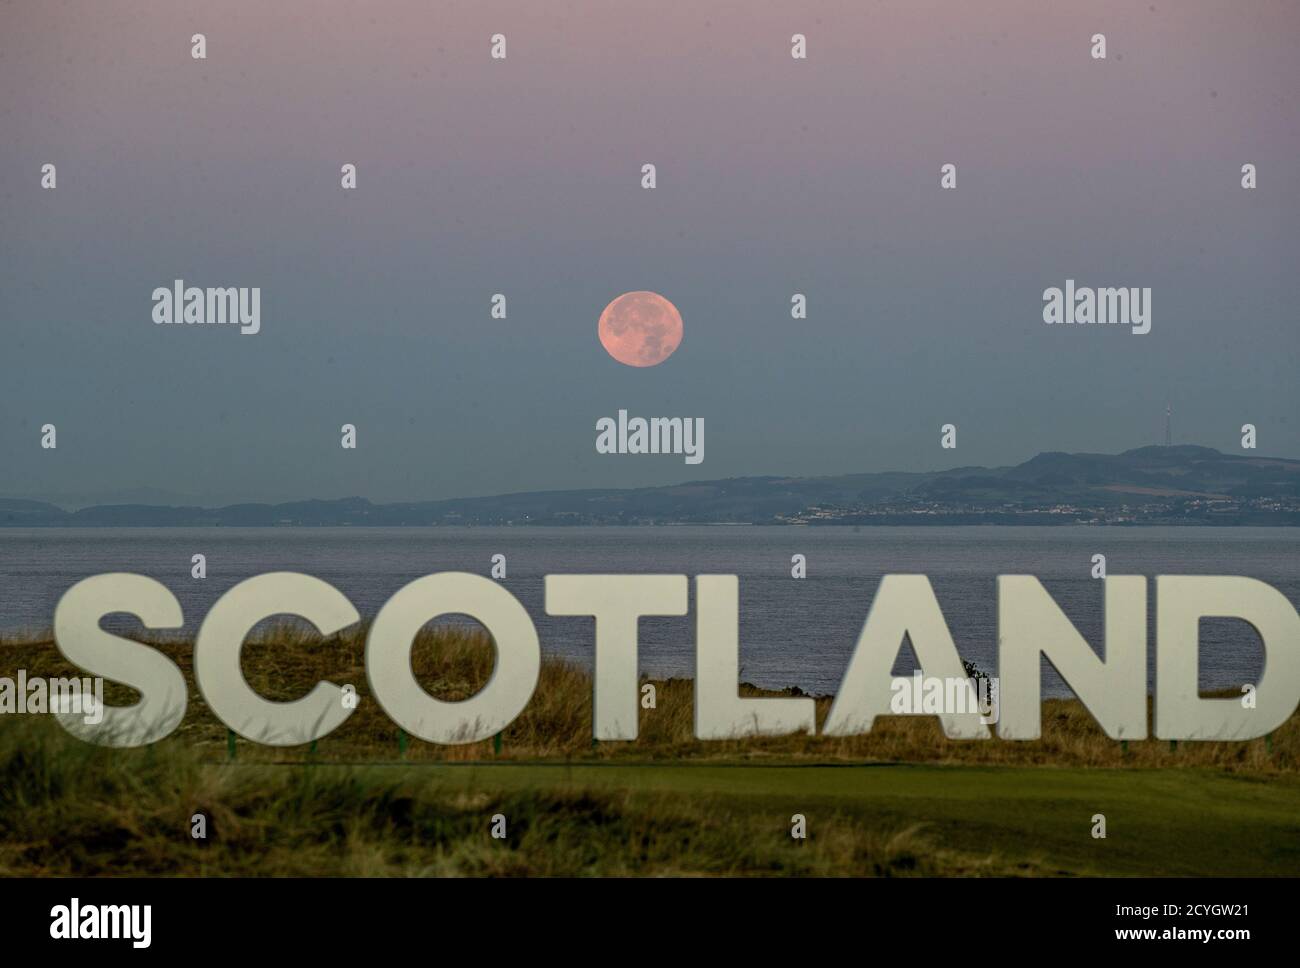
453	662
70	808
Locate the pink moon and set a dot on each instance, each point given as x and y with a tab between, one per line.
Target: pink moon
640	328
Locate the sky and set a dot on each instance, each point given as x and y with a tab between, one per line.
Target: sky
523	176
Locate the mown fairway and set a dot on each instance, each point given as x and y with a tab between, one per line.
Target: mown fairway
67	807
901	800
1162	821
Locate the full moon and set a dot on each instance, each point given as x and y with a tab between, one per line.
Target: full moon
640	328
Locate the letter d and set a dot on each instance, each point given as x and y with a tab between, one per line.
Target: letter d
1181	602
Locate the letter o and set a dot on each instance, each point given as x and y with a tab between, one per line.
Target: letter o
388	658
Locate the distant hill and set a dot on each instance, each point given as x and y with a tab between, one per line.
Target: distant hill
18	512
1146	471
1149	485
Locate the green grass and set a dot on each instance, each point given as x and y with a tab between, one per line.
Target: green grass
70	808
1171	821
901	800
454	662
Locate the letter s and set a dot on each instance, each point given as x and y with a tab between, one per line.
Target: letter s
82	642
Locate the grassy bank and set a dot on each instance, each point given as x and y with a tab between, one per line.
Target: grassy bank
900	801
70	808
453	663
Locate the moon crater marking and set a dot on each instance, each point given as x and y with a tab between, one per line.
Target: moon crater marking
640	328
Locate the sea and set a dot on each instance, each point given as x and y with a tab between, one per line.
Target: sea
793	632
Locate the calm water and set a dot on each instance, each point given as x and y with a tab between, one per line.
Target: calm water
792	632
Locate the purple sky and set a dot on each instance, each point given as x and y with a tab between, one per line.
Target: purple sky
523	176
